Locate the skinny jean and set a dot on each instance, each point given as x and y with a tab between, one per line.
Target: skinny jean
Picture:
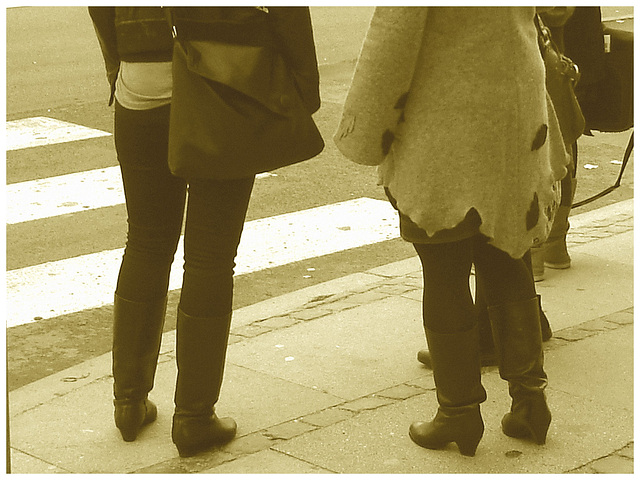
155	201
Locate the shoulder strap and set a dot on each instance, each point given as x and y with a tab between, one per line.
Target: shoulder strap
625	160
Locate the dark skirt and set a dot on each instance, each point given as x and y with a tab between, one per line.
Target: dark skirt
410	232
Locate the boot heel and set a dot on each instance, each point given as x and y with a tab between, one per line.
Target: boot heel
468	443
540	420
468	446
130	417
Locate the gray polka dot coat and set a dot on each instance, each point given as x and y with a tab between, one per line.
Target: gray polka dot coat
477	129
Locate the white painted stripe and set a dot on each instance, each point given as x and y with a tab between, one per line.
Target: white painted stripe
64	194
40	131
75	192
88	281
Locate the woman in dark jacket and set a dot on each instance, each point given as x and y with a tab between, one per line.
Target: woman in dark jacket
137	46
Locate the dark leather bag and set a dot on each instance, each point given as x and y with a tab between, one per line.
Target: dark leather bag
608	105
562	76
236	110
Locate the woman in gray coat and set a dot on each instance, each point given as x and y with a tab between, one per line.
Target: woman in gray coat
473	166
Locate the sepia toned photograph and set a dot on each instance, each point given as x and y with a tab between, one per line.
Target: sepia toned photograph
319	239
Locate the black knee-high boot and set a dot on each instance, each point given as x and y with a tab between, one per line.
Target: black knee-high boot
137	333
487	348
456	371
518	340
201	347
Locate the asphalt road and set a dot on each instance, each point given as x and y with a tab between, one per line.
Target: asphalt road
54	69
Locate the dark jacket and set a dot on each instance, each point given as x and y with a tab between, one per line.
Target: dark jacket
143	34
131	34
584	44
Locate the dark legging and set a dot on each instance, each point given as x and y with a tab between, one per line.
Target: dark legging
155	203
447	301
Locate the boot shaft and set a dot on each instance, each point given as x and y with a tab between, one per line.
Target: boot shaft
201	347
137	335
456	367
518	340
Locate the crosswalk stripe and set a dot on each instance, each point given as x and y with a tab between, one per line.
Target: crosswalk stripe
40	131
88	281
65	194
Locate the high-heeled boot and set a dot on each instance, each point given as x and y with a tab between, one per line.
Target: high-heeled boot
137	333
456	372
518	340
201	347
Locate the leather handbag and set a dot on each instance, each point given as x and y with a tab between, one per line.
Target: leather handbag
562	76
235	111
608	106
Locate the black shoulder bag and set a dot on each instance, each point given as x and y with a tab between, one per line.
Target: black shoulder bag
236	109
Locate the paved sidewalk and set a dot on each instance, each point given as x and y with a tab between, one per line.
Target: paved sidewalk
325	380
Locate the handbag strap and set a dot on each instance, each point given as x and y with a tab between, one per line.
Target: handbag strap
545	40
247	27
546	43
625	160
544	34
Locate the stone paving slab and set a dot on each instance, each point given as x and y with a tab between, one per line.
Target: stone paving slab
603	368
267	462
594	287
376	440
617	251
82	439
348	354
620	461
